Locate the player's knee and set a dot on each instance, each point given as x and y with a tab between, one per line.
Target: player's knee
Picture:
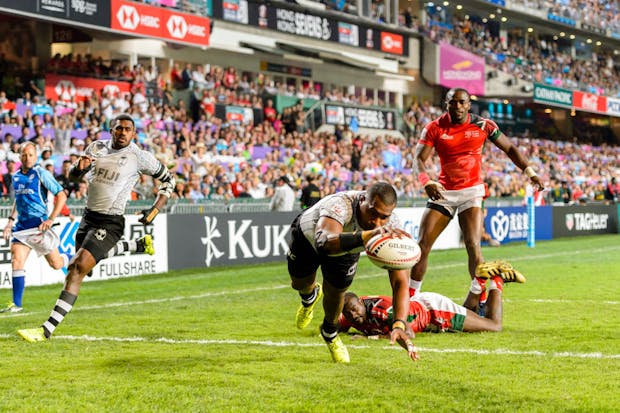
78	266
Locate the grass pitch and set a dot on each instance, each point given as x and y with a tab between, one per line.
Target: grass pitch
223	340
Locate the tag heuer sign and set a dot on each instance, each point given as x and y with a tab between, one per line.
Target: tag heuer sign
552	95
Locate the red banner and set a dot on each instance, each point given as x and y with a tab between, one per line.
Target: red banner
589	102
60	87
392	43
159	22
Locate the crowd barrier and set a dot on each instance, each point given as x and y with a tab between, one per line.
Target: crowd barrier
211	238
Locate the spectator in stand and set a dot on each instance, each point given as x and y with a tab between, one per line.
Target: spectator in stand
611	191
176	79
186	76
270	112
310	194
284	196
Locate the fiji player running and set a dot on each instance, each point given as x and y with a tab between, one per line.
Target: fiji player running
111	177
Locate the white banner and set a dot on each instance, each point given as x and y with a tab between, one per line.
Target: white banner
38	272
410	219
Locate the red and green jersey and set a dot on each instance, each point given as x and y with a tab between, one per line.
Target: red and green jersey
427	312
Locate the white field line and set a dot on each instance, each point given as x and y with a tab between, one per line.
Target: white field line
269	343
366	276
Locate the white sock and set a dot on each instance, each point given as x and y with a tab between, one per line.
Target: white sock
416	285
476	287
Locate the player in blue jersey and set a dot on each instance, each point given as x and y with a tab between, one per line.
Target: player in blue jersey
32	184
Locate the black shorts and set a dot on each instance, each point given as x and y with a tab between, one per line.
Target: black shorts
99	233
303	261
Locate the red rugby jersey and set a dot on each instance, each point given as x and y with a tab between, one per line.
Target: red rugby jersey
380	316
459	148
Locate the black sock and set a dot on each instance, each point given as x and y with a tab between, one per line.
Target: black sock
308	299
64	304
329	331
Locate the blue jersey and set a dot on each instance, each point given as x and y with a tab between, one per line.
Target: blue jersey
31	190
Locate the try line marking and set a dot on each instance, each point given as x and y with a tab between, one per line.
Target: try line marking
269	343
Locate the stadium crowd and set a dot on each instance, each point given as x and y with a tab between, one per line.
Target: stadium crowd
541	59
598	14
219	160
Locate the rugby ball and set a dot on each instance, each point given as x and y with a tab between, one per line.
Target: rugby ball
393	252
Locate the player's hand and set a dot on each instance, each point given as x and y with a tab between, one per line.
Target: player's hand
45	225
6	233
84	162
148	215
398	335
391	229
538	185
434	189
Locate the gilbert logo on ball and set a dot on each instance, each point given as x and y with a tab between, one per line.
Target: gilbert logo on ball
393	252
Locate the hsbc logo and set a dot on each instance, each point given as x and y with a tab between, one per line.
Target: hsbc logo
391	43
128	17
65	89
113	90
177	26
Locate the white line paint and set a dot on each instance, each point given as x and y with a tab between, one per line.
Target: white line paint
365	276
269	343
275	287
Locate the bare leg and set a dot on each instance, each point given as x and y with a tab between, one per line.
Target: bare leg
469	221
333	301
472	301
493	319
304	285
432	225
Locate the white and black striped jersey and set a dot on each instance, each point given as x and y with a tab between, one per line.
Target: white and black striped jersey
341	206
113	176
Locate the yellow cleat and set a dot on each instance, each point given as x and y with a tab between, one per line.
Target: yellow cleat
304	314
512	276
147	243
338	350
490	269
11	308
32	335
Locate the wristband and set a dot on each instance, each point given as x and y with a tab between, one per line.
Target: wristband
423	178
351	240
530	172
399	324
11	219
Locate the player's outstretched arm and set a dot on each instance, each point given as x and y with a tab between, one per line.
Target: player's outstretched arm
519	160
401	331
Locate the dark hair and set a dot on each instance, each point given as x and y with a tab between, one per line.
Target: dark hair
453	91
122	116
384	191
